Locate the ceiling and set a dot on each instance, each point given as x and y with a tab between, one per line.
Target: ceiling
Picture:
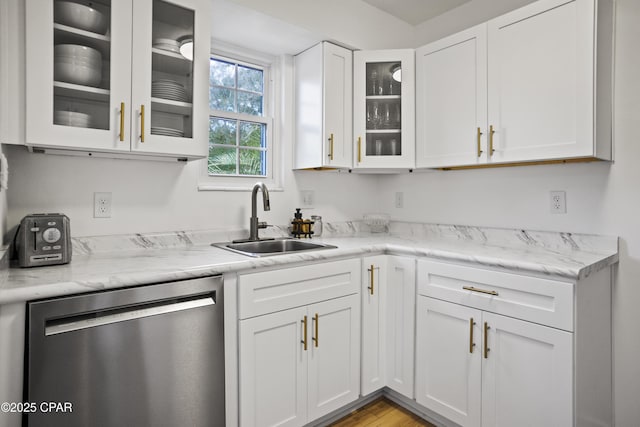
415	12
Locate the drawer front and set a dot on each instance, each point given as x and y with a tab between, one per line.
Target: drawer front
275	290
543	301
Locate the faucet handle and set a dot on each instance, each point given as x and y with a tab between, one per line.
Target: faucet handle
262	224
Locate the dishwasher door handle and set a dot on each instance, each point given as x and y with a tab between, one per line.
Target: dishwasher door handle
77	323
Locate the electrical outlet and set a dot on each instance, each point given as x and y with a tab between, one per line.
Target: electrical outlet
399	199
558	202
307	197
102	205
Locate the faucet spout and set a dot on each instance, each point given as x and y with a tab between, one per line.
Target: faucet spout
254	225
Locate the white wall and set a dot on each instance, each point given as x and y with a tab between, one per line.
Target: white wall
602	198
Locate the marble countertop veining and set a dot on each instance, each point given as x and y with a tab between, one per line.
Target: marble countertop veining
99	270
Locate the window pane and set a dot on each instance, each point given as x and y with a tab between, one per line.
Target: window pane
252	162
222	160
222	131
222	73
252	134
250	79
221	99
250	103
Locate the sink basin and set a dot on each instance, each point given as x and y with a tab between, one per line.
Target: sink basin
272	247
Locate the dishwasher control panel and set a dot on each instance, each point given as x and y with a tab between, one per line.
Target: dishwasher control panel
43	239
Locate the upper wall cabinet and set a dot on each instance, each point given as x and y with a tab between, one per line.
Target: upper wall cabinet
111	77
531	85
323	103
384	109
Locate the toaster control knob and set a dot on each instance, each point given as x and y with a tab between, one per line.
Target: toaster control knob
51	235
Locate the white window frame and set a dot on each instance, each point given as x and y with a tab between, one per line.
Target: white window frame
272	76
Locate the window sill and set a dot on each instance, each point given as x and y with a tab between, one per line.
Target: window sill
212	187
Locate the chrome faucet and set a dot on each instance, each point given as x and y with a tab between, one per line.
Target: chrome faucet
254	224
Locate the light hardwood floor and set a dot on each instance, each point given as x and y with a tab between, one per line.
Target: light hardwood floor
381	413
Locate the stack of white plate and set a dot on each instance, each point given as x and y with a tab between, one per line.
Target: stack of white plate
72	118
168	89
74	63
155	130
167	44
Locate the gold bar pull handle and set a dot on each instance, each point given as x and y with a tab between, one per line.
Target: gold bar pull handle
304	332
479	142
471	343
486	344
315	339
359	149
331	147
482	291
142	123
121	121
370	270
491	132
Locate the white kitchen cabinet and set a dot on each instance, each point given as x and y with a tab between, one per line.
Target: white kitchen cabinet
299	364
531	85
299	338
384	109
499	348
324	107
374	304
388	323
149	100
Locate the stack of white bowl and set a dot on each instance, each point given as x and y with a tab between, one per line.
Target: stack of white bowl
71	118
81	16
73	63
167	44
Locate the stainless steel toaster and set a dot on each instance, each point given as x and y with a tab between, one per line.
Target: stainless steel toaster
43	239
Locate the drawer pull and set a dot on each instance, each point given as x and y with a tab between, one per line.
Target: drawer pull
471	343
304	333
482	291
486	336
315	339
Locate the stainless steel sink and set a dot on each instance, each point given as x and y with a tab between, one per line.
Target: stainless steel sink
272	247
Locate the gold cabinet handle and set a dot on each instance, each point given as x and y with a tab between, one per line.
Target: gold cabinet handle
486	344
315	339
142	123
482	291
331	147
471	343
370	270
121	121
359	149
304	333
491	132
479	143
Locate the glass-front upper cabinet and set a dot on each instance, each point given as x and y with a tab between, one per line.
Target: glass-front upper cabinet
384	105
89	62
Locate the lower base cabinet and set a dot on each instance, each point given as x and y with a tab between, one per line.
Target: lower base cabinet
483	369
299	364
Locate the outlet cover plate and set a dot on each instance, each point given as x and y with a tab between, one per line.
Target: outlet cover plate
102	205
558	201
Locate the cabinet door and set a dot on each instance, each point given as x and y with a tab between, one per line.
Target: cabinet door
400	310
527	374
374	299
338	105
273	369
384	109
169	112
334	355
78	78
541	81
448	350
451	103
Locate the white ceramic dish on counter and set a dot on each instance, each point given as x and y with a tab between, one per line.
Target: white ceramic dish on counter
81	16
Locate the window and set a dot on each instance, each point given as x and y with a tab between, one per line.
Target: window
238	121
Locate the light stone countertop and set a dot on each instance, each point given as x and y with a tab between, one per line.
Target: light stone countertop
146	259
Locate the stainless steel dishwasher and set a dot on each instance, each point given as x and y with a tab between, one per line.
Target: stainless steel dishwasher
145	356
